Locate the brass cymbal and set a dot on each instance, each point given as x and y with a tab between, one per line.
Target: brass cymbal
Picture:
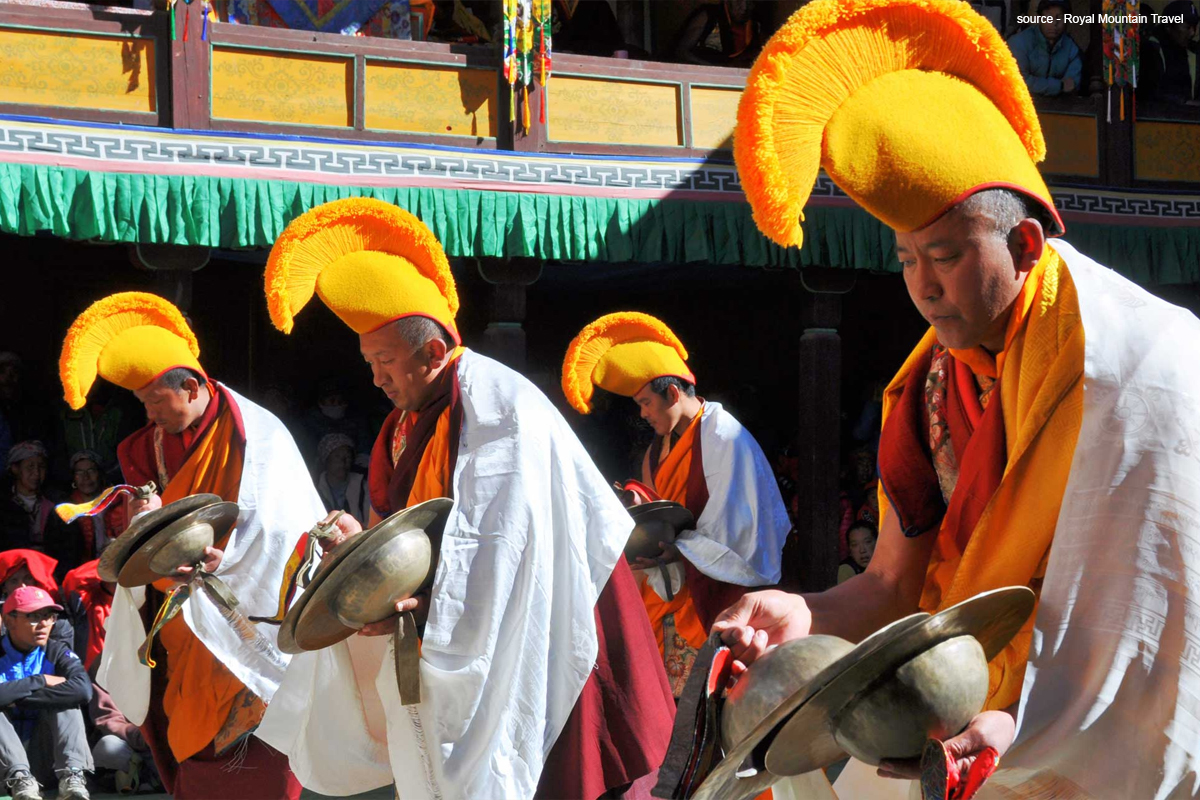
120	549
391	562
182	541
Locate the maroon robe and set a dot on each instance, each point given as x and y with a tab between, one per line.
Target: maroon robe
621	724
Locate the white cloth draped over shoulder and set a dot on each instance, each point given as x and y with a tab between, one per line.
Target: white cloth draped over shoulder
277	504
1110	706
740	535
531	541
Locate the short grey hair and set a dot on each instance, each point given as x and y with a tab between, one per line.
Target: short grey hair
1005	209
417	331
174	379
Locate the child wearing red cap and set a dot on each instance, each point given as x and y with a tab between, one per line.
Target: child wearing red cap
42	685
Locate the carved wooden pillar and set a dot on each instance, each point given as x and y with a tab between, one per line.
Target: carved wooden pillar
820	427
504	337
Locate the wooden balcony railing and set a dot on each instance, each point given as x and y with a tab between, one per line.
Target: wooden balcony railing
89	63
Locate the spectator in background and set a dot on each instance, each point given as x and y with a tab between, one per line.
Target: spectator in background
860	541
21	417
334	415
586	27
42	686
122	756
725	34
96	428
341	489
27	518
30	568
89	601
94	533
1048	58
1168	57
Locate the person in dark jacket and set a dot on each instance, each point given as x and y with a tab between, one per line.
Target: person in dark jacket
1048	58
42	686
1168	68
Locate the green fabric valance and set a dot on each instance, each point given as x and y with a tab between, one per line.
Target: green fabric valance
247	213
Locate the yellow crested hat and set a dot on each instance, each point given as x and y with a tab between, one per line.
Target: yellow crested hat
129	339
369	261
621	353
910	106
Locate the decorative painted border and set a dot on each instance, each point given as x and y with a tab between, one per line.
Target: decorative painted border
113	148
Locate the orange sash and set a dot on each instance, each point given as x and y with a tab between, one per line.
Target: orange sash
200	691
1041	386
671	481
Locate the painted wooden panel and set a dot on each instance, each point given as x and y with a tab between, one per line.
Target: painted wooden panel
714	114
610	111
1072	147
77	71
276	87
422	98
1166	151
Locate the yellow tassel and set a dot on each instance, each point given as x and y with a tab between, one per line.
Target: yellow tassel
330	231
824	53
595	340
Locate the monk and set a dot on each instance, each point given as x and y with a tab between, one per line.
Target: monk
1038	434
209	688
538	671
701	458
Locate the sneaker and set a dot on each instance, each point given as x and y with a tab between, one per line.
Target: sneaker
72	785
127	780
22	786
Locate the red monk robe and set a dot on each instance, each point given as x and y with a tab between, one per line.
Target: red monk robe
200	714
621	724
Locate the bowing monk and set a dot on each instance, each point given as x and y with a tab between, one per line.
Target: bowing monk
702	458
538	670
1042	433
200	704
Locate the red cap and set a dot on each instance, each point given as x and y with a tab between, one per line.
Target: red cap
28	599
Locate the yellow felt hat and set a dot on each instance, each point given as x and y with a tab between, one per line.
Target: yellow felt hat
910	106
369	261
129	339
621	353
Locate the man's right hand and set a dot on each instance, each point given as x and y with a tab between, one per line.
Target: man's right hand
762	620
345	527
139	504
53	680
1068	85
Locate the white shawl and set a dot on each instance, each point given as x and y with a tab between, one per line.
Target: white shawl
740	534
277	504
1110	707
532	539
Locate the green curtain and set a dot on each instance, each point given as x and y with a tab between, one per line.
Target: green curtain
245	213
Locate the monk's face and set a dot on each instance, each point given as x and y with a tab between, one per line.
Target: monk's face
963	277
404	373
663	413
173	410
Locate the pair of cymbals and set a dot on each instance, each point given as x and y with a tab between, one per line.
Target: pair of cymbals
361	581
161	541
880	699
659	521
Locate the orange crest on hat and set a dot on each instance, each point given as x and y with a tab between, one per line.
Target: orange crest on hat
621	353
129	339
369	261
908	105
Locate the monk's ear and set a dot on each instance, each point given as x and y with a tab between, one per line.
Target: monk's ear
1026	242
436	353
192	387
673	394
